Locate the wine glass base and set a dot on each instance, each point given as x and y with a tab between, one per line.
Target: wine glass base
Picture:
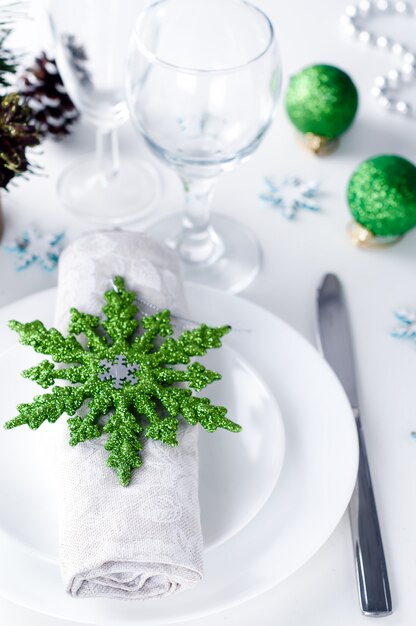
233	270
92	197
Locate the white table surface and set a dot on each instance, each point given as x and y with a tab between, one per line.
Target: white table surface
296	254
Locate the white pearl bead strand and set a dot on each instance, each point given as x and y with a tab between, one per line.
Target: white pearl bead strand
357	14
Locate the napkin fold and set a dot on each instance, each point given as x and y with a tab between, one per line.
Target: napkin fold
144	540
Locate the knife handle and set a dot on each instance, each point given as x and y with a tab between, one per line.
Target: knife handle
370	563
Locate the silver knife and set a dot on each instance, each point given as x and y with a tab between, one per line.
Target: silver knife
335	343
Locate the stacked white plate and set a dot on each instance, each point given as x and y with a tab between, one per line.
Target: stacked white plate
270	496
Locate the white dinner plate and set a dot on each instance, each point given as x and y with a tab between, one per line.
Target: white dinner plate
237	471
265	364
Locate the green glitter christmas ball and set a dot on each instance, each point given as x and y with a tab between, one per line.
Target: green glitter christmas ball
381	195
322	100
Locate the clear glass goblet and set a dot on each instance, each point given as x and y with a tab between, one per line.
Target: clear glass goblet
203	81
91	39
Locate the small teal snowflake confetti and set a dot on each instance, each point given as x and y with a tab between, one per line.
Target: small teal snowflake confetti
291	195
406	329
132	378
36	247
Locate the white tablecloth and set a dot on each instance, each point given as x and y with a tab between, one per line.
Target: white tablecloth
296	254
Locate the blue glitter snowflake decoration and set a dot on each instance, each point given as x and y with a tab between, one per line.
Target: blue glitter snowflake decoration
406	329
291	195
36	247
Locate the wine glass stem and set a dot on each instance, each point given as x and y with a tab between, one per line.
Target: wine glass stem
198	242
107	154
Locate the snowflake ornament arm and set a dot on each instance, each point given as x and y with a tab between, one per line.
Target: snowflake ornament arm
125	377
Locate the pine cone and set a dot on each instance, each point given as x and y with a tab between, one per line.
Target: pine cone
42	89
17	133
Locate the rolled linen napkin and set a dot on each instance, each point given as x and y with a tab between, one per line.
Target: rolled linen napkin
144	540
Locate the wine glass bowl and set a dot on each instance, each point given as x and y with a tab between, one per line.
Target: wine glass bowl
91	46
203	83
206	111
99	95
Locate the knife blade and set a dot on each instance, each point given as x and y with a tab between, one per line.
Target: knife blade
335	343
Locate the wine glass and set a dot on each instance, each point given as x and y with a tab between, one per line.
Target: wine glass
203	81
91	39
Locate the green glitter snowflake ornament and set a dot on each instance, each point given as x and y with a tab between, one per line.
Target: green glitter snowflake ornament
128	375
